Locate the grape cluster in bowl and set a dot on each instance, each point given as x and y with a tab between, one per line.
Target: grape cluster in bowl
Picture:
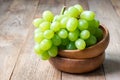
75	28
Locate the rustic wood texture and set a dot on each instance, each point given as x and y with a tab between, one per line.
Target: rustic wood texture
29	66
96	75
17	58
108	16
78	65
116	6
14	26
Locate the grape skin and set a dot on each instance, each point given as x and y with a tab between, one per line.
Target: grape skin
73	29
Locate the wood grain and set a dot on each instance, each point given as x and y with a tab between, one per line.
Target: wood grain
17	58
83	3
29	66
96	75
14	25
4	6
116	6
107	15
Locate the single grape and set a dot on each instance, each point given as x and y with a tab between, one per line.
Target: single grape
45	44
64	22
53	51
44	26
87	15
83	24
97	23
85	34
66	13
48	16
55	26
80	44
79	7
45	55
91	23
94	23
73	12
63	33
37	49
36	22
72	36
72	24
98	34
71	46
48	34
91	40
55	18
37	30
56	40
38	37
92	29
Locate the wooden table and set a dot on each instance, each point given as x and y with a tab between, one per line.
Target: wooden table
17	58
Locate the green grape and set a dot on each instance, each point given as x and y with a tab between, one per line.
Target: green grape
53	51
48	34
87	15
37	30
38	37
72	36
80	44
73	12
91	40
36	22
72	24
48	16
65	41
91	23
97	23
66	13
79	7
83	24
56	40
58	18
99	34
64	22
45	55
94	23
37	49
44	26
45	44
71	46
55	18
92	30
55	26
85	34
63	33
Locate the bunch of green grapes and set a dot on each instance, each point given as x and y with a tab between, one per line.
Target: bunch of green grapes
73	29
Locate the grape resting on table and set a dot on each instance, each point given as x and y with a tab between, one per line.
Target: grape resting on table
75	28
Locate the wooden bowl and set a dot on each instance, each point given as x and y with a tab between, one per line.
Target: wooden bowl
89	52
77	65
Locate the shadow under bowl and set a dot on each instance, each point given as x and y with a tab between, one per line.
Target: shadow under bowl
89	52
77	65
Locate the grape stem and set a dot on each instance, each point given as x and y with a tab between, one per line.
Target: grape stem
62	10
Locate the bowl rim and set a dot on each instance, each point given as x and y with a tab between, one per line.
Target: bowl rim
104	29
84	59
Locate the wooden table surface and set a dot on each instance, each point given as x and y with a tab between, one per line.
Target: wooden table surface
17	58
